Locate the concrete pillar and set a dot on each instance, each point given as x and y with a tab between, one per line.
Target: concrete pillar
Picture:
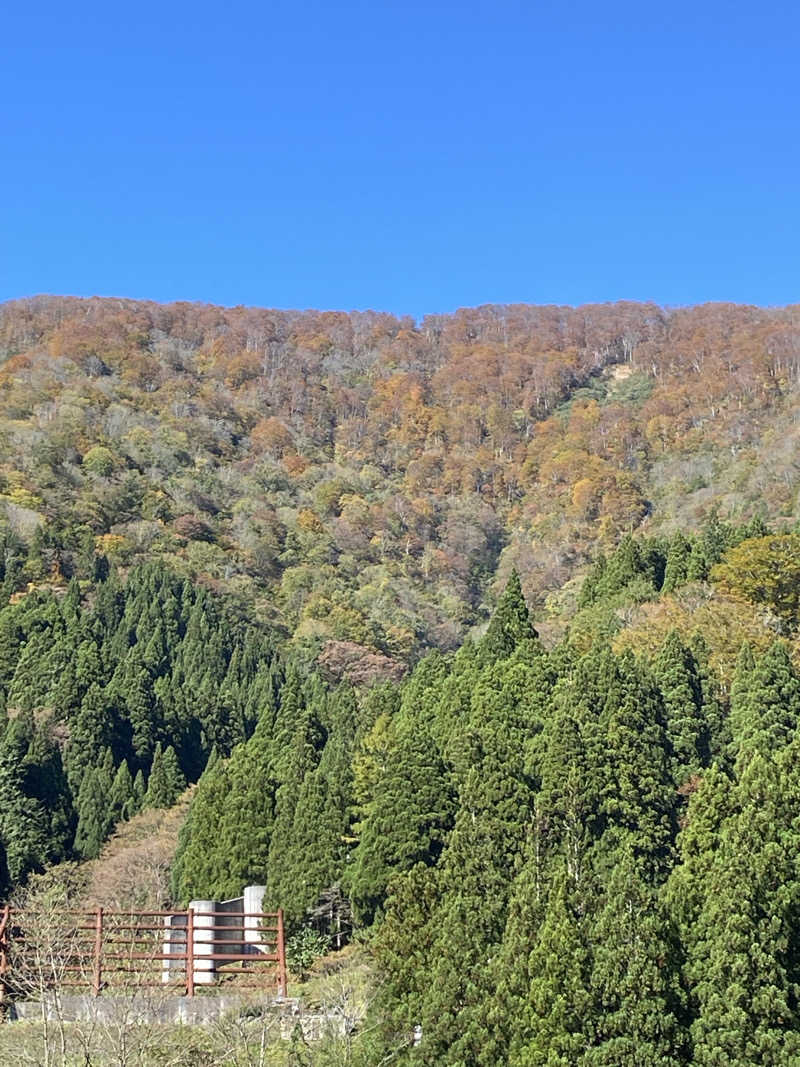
167	947
203	941
253	901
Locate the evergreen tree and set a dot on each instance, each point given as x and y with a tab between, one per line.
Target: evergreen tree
627	761
94	813
122	793
137	692
166	783
510	623
245	821
406	820
197	870
676	571
476	870
688	731
45	783
765	703
90	733
403	948
709	806
743	953
302	760
713	712
139	790
637	1012
588	594
23	821
555	1025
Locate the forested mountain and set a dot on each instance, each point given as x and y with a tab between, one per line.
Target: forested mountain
479	637
357	478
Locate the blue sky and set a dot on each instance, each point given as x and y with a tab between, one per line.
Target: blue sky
406	157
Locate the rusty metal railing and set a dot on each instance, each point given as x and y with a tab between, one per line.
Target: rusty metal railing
106	950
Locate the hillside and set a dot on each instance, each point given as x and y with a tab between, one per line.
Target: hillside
360	480
479	638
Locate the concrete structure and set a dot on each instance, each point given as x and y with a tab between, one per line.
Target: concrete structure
150	1008
218	928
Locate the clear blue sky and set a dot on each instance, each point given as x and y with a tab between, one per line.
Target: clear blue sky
404	156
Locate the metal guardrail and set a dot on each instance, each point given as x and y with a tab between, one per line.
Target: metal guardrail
104	949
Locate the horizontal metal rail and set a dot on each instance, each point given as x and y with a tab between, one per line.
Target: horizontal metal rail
82	948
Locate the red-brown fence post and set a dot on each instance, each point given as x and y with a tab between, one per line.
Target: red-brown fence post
5	923
281	956
97	979
190	952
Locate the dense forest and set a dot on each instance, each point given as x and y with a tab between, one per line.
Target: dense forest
478	636
359	479
113	701
563	857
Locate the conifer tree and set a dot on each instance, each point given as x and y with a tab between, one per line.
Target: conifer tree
555	1024
166	782
709	806
628	755
676	571
743	955
244	822
688	731
23	822
45	783
403	948
510	623
714	714
139	790
197	870
592	581
94	813
301	761
317	851
765	703
698	564
510	968
637	1012
408	817
122	792
90	733
482	856
5	877
137	692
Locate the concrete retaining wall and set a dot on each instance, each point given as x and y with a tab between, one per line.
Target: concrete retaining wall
157	1008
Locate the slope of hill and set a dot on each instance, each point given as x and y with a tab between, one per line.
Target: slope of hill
362	479
561	850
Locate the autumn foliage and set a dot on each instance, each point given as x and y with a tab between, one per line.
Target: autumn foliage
363	478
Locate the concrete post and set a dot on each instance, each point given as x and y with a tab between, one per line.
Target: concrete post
166	949
203	941
252	902
174	945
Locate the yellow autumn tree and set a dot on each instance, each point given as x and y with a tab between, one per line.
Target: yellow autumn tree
765	571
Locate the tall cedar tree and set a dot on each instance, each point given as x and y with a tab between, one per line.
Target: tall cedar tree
477	868
688	730
743	961
765	703
510	622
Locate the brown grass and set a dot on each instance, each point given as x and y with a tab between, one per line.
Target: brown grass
132	871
